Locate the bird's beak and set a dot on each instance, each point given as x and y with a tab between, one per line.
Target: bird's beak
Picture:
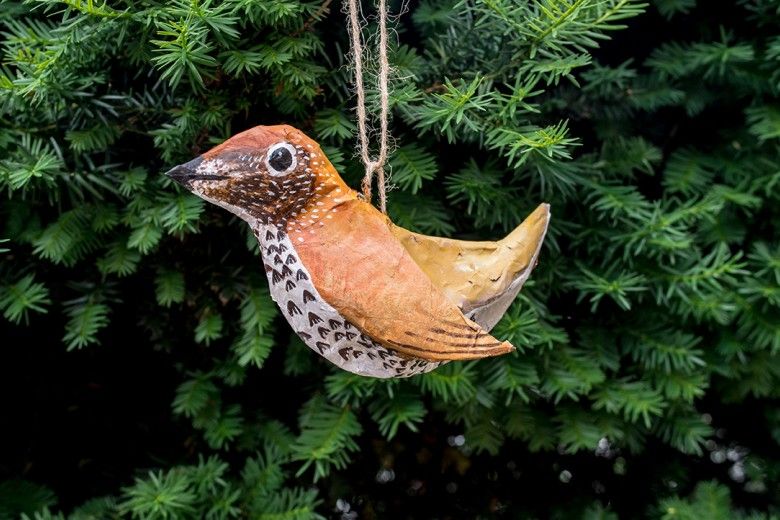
185	173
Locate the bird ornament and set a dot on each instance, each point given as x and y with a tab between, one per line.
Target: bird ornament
369	296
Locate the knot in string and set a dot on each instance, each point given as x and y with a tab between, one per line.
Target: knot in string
372	166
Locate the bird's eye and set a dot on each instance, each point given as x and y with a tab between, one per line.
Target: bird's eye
281	159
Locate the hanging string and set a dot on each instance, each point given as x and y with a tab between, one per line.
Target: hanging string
372	166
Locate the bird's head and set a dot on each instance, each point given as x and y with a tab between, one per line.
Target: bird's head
266	174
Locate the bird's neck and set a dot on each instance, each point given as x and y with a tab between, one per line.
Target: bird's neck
330	190
331	194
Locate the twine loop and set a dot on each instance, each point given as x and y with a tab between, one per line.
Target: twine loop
372	166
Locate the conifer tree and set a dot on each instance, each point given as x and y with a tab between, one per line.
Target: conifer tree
656	300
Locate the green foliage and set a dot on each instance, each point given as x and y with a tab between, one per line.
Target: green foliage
206	490
708	500
257	314
402	408
87	315
23	296
18	496
169	287
411	166
327	437
656	299
160	496
209	328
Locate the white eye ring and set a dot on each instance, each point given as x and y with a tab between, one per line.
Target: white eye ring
274	169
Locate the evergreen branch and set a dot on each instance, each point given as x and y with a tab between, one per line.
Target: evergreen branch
326	438
19	299
402	408
160	495
87	315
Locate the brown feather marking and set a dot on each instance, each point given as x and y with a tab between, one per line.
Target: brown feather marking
376	284
470	344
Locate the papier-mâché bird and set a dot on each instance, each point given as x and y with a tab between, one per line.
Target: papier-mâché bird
371	297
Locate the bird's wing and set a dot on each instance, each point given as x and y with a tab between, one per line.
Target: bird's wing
362	270
482	278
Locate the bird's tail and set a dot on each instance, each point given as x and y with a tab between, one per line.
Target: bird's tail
512	262
529	235
482	278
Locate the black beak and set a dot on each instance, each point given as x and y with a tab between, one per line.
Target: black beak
185	173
